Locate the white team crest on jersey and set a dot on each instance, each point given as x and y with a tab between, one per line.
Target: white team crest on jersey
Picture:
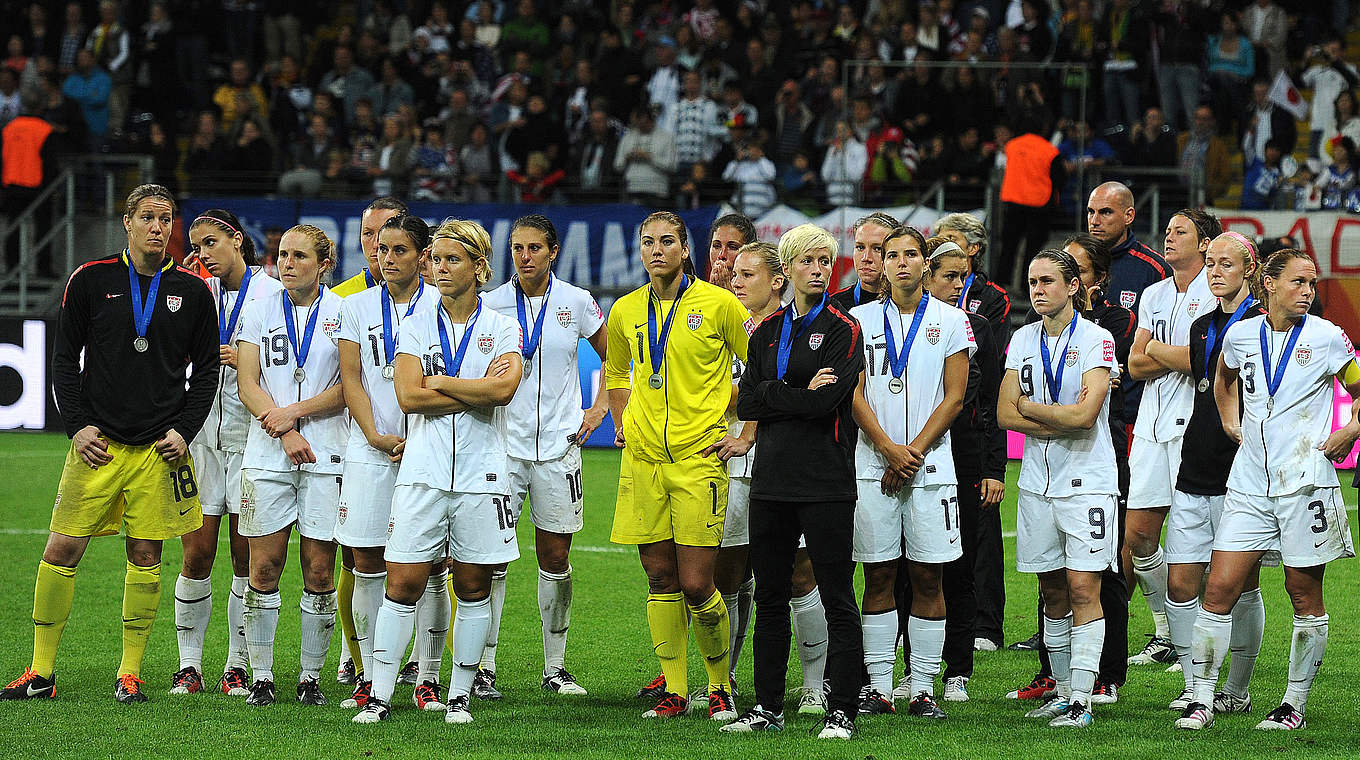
750	324
1126	298
973	304
173	303
933	335
694	320
815	340
1193	308
330	326
342	513
564	317
1071	358
485	343
1303	356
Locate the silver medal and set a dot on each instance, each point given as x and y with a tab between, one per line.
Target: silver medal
655	381
1204	385
528	366
389	371
140	345
1270	405
895	385
299	375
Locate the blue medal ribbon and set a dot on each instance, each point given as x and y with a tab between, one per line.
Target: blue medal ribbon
1212	335
898	363
1274	378
968	283
1054	382
390	340
368	278
226	327
657	346
142	310
452	369
787	335
531	338
300	351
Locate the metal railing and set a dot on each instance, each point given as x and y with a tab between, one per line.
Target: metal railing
1147	183
60	193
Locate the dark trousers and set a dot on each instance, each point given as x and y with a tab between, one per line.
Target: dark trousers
989	575
1020	223
829	529
16	199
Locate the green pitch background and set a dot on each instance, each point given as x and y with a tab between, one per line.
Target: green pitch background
609	651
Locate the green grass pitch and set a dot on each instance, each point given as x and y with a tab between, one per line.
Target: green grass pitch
610	652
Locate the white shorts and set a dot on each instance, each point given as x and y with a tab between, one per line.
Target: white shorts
1190	527
219	479
365	504
1075	532
429	524
926	517
1309	528
1153	469
554	491
272	501
737	524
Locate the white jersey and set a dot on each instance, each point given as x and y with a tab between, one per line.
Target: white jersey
263	324
740	467
546	411
361	322
1076	463
463	452
903	405
227	423
1167	314
1279	453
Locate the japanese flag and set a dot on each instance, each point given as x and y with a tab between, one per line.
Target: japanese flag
1284	94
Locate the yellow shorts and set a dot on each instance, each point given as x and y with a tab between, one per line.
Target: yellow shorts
685	501
156	500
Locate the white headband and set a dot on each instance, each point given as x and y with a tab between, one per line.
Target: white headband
946	247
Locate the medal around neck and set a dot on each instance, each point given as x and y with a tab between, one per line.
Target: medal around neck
142	309
655	381
533	336
289	315
388	372
389	339
656	344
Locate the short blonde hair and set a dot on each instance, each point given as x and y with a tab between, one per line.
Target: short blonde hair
769	258
474	239
804	238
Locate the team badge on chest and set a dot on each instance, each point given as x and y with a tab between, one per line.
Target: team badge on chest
564	317
1126	298
974	304
1071	358
485	343
694	320
815	340
173	303
933	334
1303	356
330	326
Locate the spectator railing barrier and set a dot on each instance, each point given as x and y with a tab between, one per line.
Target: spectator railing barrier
1152	187
22	231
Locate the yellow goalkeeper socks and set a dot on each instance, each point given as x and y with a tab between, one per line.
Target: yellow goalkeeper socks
344	603
670	634
141	597
52	594
712	635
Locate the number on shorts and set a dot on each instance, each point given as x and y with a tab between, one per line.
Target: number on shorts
1096	516
1249	377
1319	510
504	515
276	351
713	496
574	486
1026	381
951	510
373	343
183	484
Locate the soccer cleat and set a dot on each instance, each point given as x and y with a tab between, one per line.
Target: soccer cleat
901	691
755	719
1030	644
1174	667
923	706
426	697
956	689
720	707
1183	701
128	689
186	681
872	702
562	682
698	699
838	725
261	693
375	711
234	683
1231	703
363	691
458	710
654	690
812	701
1158	650
408	673
1104	693
670	706
1283	718
345	673
1195	716
30	685
981	644
309	692
1042	687
484	685
1053	707
1076	716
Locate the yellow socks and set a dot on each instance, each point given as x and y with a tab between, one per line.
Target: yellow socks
344	601
141	597
712	635
670	634
52	594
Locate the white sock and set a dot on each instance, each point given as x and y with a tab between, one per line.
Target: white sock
733	632
261	621
1180	618
926	638
554	611
432	621
497	602
809	630
1087	641
1058	642
1207	652
368	596
1305	657
880	649
1151	574
471	627
193	608
745	605
236	623
1248	628
318	623
391	634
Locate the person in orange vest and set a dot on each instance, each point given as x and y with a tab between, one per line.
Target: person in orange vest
25	156
1027	189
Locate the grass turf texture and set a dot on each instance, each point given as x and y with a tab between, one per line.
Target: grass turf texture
609	650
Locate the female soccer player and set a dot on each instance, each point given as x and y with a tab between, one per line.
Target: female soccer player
547	427
1197	502
726	237
669	374
905	467
1282	494
456	367
1068	483
369	324
1161	357
289	379
798	388
217	240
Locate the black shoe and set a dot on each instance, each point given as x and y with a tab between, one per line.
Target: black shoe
128	689
1030	644
924	706
375	711
30	685
346	673
261	694
654	690
484	685
408	673
837	725
309	693
873	702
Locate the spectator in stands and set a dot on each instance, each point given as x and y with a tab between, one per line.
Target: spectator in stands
1263	121
592	158
734	104
1033	33
622	87
307	160
488	25
863	120
790	124
754	175
968	162
970	101
528	34
69	134
1077	43
240	97
207	155
798	183
507	114
646	160
1080	151
1232	63
1260	188
663	87
761	79
155	66
538	184
479	165
41	38
112	48
920	100
164	155
1328	74
698	128
384	21
716	74
816	87
1028	188
250	158
391	169
9	96
72	38
904	45
282	31
1202	150
1339	178
1266	26
346	81
468	48
537	130
1152	142
391	92
1180	30
90	86
843	166
1124	44
687	50
931	35
26	163
290	102
455	120
893	162
1347	122
433	167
